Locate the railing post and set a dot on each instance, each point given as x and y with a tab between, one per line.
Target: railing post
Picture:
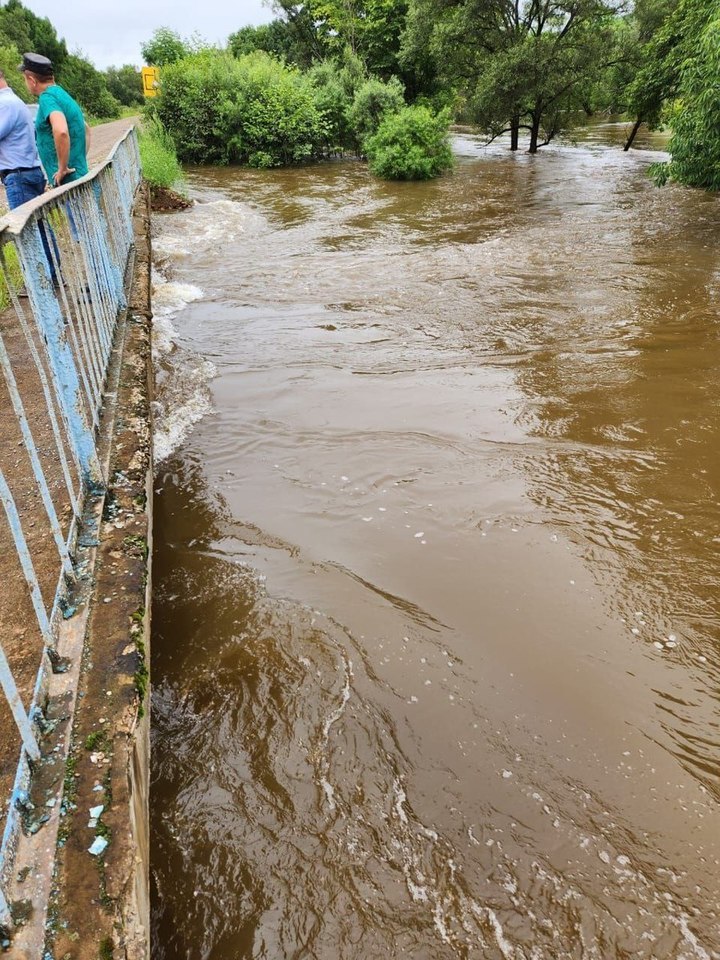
23	553
34	459
7	682
5	915
111	266
48	315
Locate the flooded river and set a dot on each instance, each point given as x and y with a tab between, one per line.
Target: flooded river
437	620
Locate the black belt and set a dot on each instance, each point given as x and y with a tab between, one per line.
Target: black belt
6	173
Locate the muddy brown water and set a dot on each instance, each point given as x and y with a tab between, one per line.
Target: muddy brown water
436	619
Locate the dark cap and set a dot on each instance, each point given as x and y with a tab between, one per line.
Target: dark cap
37	64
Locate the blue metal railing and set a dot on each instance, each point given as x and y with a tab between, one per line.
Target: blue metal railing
63	260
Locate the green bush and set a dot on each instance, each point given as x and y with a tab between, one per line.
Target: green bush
695	117
160	165
410	145
373	101
253	109
12	274
333	102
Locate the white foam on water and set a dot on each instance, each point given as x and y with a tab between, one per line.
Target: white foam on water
329	792
331	719
164	335
168	299
223	220
689	937
175	422
177	247
504	945
400	798
219	221
416	891
439	920
184	396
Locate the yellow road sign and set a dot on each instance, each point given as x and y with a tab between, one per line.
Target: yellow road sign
151	81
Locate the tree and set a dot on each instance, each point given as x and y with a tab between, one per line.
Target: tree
639	80
303	36
693	61
277	38
334	88
657	79
518	65
32	33
164	47
9	59
88	86
372	29
125	84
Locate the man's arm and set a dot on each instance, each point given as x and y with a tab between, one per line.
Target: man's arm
87	140
61	136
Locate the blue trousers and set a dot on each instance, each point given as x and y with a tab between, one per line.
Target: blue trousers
24	186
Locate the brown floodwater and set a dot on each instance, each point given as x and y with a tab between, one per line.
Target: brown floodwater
436	625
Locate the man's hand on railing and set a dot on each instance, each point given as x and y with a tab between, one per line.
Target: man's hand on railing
60	175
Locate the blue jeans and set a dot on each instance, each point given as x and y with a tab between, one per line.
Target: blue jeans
24	186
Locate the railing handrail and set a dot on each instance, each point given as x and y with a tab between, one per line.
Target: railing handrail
14	221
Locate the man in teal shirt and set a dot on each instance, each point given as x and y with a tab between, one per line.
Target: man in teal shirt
60	130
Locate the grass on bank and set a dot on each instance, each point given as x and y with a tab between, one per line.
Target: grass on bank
124	114
158	158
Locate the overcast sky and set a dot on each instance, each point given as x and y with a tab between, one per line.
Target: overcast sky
110	33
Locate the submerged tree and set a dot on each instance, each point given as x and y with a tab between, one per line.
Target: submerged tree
518	65
652	67
410	144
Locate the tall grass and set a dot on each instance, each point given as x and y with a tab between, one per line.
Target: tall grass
158	158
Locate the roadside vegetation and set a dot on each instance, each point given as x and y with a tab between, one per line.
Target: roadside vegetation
161	167
10	275
158	158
